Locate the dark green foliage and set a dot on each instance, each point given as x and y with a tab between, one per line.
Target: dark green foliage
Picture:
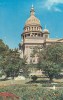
51	69
10	61
50	59
34	78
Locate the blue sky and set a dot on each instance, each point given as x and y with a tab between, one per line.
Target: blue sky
14	13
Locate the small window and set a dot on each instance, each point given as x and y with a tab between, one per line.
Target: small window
38	34
33	60
28	34
28	28
46	36
25	35
35	33
37	28
32	28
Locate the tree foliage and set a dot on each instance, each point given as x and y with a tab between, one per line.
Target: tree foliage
4	49
10	61
51	59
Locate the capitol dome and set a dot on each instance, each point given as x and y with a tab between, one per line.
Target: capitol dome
32	25
32	20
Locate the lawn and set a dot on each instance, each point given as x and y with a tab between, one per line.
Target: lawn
32	91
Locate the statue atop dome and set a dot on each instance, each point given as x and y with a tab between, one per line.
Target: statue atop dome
32	12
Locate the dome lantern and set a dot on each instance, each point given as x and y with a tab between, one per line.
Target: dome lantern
32	20
32	12
46	33
46	30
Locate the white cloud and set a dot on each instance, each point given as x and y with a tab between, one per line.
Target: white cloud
53	5
57	9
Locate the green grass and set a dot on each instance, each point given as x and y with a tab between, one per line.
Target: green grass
33	92
28	90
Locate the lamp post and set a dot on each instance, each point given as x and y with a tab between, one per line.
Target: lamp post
54	87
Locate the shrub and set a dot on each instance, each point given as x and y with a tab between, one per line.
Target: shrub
34	78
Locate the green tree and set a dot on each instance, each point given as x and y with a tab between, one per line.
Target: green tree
51	69
50	59
4	49
10	61
11	67
13	64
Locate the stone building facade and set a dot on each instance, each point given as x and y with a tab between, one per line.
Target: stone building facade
33	35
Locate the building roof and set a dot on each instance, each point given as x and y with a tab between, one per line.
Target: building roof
51	40
32	20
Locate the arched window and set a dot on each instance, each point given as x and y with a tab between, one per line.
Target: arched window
35	34
29	28
25	35
32	28
37	28
38	34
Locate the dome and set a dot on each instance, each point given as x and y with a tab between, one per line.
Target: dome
32	20
46	30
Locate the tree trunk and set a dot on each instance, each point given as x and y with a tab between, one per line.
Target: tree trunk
51	79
